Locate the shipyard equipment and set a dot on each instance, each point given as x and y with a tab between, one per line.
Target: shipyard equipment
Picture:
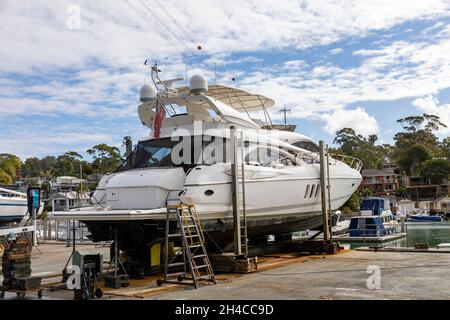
90	265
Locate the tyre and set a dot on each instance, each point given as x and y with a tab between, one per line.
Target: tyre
4	245
98	293
85	295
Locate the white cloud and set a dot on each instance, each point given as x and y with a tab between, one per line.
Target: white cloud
357	119
336	51
96	71
113	34
430	105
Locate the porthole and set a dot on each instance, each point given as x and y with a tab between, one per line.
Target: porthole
209	193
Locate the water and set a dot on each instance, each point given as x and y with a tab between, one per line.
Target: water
432	233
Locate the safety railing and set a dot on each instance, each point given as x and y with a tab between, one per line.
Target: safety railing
62	230
352	162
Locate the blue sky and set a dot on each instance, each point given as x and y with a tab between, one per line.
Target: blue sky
70	71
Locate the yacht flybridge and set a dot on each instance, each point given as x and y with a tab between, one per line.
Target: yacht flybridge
187	158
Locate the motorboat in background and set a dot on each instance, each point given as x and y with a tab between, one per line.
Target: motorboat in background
380	207
13	206
424	216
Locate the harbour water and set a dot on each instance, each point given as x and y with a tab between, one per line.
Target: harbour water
431	233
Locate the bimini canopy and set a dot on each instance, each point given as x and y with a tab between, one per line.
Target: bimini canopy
241	100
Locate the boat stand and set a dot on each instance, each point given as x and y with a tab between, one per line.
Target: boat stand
116	280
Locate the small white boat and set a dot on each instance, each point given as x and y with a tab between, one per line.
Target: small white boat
13	206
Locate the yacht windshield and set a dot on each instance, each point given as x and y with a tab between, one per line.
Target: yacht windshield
152	153
158	153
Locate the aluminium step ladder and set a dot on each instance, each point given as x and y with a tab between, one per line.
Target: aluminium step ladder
190	264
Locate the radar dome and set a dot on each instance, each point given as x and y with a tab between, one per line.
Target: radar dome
148	93
198	84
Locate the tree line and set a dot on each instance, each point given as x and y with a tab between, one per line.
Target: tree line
416	150
105	159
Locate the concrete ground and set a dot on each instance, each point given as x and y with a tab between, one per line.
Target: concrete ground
407	275
342	276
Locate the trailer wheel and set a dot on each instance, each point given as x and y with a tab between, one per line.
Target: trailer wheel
98	293
2	293
39	293
25	240
158	283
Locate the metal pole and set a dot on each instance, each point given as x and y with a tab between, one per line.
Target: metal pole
73	234
116	251
35	227
323	191
185	65
244	209
235	192
329	192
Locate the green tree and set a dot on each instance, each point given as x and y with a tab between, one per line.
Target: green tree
68	164
348	140
367	192
356	145
412	159
417	143
31	168
5	178
353	202
436	168
419	130
402	191
11	165
48	166
445	147
106	158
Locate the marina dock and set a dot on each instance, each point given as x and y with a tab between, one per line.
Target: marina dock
285	275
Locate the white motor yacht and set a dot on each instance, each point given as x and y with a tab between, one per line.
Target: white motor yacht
186	158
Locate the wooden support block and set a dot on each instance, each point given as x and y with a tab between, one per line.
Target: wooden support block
421	246
228	262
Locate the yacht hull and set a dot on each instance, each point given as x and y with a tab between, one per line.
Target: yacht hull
12	209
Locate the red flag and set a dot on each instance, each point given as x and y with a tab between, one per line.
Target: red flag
160	114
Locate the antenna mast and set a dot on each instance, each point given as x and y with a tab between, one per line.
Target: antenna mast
285	110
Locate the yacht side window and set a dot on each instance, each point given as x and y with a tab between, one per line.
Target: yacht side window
307	145
262	155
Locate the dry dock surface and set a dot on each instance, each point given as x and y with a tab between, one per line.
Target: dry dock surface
342	276
403	275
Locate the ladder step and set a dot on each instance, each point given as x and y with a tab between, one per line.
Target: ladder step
192	236
175	274
209	277
173	235
200	267
176	264
199	256
194	246
190	226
